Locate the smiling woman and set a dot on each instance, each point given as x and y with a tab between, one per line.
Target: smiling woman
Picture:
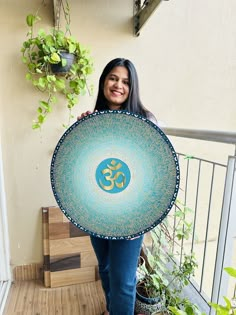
118	90
118	80
116	87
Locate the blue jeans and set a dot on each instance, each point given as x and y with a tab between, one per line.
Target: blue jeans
117	262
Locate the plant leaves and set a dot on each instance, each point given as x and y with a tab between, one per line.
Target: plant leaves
231	271
60	84
28	76
31	19
63	62
54	58
227	301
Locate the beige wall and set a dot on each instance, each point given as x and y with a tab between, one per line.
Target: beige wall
185	57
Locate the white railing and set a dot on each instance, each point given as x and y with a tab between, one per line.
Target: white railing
206	135
218	249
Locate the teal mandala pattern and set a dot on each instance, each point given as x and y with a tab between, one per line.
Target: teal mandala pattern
115	174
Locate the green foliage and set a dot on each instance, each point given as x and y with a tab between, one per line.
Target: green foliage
188	309
165	269
40	51
229	308
231	271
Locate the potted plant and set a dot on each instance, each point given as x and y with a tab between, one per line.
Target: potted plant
42	52
162	274
230	304
228	309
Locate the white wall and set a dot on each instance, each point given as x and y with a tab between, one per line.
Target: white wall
186	60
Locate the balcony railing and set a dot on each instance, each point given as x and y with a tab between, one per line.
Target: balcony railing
208	187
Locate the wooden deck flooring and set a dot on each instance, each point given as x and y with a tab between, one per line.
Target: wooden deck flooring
32	298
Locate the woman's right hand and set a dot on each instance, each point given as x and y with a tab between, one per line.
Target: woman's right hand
84	114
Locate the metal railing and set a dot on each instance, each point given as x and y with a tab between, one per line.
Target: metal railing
209	189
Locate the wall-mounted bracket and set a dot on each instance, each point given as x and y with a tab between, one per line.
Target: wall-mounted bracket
142	12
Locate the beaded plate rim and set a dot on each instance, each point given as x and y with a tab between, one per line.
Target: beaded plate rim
164	137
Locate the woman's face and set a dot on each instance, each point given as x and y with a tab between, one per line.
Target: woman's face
116	87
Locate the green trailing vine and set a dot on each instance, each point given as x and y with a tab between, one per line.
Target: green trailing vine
41	50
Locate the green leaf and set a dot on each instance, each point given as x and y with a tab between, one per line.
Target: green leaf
55	58
60	84
231	271
188	157
53	99
220	308
72	47
31	19
82	84
42	82
35	125
51	78
176	311
227	301
41	119
49	41
41	33
28	76
63	62
44	104
189	310
24	59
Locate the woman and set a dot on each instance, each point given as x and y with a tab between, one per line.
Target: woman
118	259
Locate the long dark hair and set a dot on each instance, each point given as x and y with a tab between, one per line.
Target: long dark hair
133	103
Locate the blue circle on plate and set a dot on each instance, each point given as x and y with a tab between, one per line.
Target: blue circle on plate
113	175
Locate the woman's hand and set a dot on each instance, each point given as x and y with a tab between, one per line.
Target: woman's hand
86	114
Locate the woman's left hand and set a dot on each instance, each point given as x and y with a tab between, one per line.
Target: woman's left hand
84	114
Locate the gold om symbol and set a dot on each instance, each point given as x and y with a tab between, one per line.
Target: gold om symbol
113	179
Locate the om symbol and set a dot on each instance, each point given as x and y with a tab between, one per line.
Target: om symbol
112	175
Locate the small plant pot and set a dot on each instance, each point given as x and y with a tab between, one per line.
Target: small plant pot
58	68
148	306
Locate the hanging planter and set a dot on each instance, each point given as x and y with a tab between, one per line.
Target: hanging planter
64	66
50	69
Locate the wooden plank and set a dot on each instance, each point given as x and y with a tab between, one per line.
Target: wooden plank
47	279
70	246
88	259
45	219
59	230
58	263
56	215
76	232
72	276
46	247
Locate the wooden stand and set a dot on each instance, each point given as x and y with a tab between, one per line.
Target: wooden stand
68	254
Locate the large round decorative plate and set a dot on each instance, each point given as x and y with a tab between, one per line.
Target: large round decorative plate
115	174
